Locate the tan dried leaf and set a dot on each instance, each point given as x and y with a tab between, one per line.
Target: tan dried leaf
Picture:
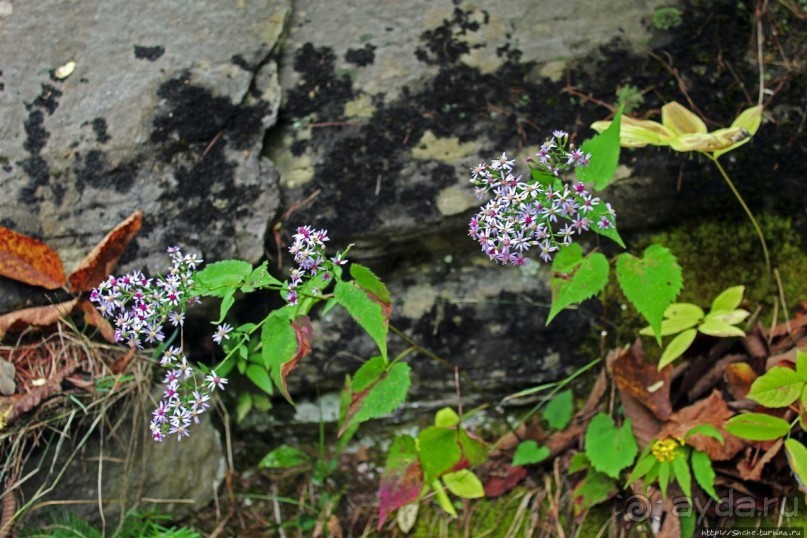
36	315
637	378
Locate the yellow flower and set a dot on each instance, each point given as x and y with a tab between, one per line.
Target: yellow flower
684	131
665	449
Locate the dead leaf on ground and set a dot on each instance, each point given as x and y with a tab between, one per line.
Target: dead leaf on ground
100	262
708	380
502	477
29	260
36	315
31	399
642	381
752	469
711	410
739	378
645	425
94	318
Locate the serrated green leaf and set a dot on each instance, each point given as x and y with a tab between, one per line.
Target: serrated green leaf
259	278
643	466
589	278
728	299
677	347
464	484
279	346
595	488
219	277
705	429
682	476
801	364
664	474
260	377
446	418
439	451
227	302
757	427
377	389
687	521
442	499
797	458
650	283
475	451
528	453
718	328
558	412
366	279
579	462
243	407
599	211
608	448
284	457
369	313
779	387
604	148
703	472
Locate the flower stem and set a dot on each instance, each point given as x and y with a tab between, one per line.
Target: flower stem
747	212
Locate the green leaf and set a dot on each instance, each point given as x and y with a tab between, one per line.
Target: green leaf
442	499
589	278
757	427
664	474
604	149
243	407
558	412
528	453
801	364
280	346
716	327
216	279
608	448
475	451
728	299
446	418
372	315
779	387
677	347
729	317
543	177
642	468
439	451
704	474
579	462
464	484
592	490
707	430
260	278
677	317
284	457
650	283
260	377
367	280
227	301
377	389
682	476
601	210
402	479
797	458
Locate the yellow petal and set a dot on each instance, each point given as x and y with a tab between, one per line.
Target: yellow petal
680	120
746	124
635	133
709	142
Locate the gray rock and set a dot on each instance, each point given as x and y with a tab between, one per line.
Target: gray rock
7	373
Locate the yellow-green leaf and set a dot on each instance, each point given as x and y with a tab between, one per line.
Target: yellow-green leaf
464	484
718	328
797	458
729	299
442	498
677	347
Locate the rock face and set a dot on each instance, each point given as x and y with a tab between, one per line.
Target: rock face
165	111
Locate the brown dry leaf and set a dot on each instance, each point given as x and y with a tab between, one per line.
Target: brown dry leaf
645	425
739	377
712	410
560	441
36	315
502	478
93	317
753	470
644	382
52	386
100	262
29	260
706	381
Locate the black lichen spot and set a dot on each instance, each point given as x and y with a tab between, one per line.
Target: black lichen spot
321	90
37	169
95	172
99	126
148	53
37	136
47	99
2	86
241	62
298	147
195	116
8	223
361	57
444	45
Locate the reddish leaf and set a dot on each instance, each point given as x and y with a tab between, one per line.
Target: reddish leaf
402	480
302	332
93	317
642	381
504	479
29	260
37	315
100	262
712	410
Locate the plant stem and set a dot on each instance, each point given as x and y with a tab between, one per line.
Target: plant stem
747	212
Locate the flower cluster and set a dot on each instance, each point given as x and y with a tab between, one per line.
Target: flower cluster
142	305
528	214
183	398
666	449
308	249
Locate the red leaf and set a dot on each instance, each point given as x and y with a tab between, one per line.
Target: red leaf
504	480
100	262
402	480
37	315
303	332
643	381
29	260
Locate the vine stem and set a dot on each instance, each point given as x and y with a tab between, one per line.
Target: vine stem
747	212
